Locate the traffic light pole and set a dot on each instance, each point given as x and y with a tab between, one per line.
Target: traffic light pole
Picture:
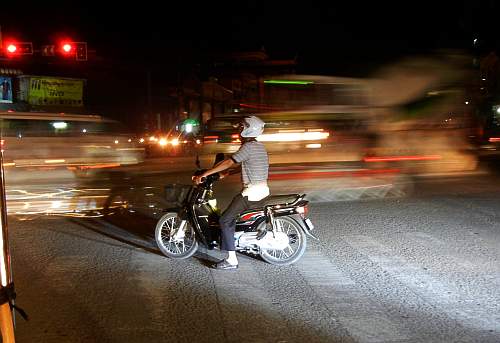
7	325
7	294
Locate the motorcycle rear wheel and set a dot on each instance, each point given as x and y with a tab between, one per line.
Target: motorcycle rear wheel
296	246
180	247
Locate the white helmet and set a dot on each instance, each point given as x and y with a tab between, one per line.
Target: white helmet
252	127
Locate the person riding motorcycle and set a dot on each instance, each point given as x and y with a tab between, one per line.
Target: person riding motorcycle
254	161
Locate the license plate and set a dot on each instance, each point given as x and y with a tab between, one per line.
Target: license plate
309	224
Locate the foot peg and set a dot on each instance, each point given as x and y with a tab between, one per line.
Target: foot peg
261	234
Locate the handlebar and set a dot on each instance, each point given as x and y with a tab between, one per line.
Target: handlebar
212	178
208	180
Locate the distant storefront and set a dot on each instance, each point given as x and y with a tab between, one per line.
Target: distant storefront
8	85
6	90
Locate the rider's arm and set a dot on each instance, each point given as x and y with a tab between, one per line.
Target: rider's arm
235	170
241	155
226	164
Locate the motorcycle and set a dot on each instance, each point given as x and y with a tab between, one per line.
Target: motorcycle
276	229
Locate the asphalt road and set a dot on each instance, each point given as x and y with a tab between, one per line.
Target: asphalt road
420	267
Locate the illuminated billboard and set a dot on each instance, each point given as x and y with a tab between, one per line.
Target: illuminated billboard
52	91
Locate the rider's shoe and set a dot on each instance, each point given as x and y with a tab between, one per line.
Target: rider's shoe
224	265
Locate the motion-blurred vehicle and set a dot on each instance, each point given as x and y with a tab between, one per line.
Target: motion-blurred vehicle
412	114
75	142
149	141
488	138
281	133
294	137
170	144
309	118
181	140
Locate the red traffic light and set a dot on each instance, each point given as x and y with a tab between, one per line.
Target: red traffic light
67	47
18	48
74	49
11	48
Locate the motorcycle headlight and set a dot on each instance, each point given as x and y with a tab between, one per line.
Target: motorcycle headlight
213	203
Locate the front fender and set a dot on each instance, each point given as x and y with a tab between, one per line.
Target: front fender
177	209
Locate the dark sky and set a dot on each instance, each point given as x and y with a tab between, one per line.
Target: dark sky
329	36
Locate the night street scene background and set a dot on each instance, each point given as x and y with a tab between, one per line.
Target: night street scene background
386	115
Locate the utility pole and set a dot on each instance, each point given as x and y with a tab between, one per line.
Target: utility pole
7	293
6	283
7	286
149	97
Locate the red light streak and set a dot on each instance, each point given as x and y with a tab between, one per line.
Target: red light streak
402	158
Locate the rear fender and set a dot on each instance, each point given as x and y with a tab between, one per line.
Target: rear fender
300	221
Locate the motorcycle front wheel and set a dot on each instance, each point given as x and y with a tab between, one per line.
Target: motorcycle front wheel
296	247
174	241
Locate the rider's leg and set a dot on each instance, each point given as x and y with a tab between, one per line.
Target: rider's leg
228	225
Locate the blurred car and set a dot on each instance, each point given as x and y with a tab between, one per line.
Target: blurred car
71	141
282	134
147	140
489	137
174	143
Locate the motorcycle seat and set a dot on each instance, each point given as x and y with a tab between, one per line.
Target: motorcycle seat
282	199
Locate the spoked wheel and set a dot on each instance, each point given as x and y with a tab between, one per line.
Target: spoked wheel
174	238
294	243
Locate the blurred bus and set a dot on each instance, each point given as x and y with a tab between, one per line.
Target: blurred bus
76	142
296	92
409	120
309	118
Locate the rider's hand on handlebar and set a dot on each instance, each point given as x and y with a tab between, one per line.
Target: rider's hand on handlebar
198	179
